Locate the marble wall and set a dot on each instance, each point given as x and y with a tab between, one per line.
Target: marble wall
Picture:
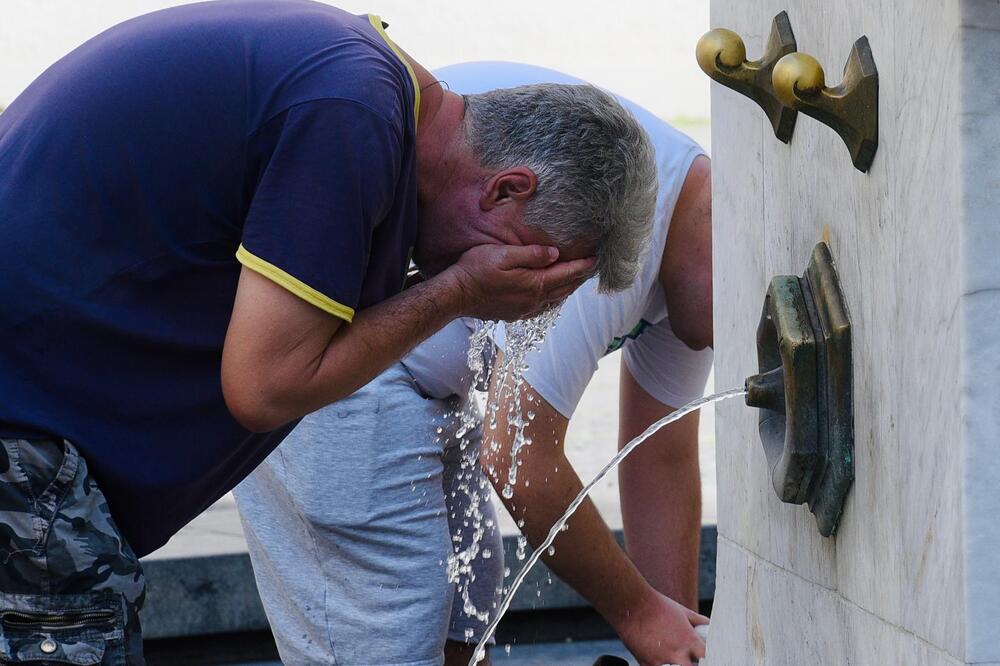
912	575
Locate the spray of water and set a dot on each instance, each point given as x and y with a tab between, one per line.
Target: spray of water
521	338
695	405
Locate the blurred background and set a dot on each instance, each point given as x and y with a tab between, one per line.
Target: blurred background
642	49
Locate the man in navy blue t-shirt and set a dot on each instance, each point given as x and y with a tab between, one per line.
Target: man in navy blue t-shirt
206	217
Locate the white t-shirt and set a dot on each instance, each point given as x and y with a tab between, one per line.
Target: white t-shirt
590	324
439	365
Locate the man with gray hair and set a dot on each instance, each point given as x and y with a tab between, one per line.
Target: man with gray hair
593	185
208	214
386	549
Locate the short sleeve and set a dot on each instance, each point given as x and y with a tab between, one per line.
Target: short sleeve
665	367
326	184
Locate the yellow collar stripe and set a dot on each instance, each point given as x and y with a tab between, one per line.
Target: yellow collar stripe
377	24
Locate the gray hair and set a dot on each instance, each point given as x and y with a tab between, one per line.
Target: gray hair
594	163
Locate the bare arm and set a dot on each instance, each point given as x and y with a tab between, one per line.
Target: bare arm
284	358
656	629
686	267
660	489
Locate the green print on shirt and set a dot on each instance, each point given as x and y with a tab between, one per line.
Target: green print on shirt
636	331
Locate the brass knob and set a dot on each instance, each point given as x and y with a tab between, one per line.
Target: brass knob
850	109
722	55
720	49
797	76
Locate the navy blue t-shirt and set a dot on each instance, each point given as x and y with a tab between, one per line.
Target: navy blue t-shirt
137	176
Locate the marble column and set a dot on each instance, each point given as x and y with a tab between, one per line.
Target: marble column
913	575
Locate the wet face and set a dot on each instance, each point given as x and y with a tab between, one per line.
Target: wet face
471	205
457	224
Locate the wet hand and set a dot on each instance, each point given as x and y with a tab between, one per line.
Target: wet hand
663	632
514	282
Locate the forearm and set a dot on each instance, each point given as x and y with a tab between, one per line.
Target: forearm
378	337
322	361
284	358
587	556
660	488
661	512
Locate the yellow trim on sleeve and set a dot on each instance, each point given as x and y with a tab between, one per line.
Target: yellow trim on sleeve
294	285
376	22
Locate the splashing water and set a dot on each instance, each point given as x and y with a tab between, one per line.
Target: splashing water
480	652
521	338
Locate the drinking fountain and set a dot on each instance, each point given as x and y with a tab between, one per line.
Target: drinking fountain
804	389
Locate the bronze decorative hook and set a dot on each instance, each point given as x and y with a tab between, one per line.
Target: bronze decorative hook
850	108
723	56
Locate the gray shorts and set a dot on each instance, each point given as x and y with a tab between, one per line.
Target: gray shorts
353	523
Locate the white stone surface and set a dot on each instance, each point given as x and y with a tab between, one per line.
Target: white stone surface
980	126
790	620
913	567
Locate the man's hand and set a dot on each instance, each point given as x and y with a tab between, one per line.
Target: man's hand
661	631
513	282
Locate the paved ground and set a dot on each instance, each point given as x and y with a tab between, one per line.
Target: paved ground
582	653
558	654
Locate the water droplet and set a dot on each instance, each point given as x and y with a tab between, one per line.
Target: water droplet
551	551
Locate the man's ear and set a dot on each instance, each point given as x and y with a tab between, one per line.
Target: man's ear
516	184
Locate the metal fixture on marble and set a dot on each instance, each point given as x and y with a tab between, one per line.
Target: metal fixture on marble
850	108
804	389
722	55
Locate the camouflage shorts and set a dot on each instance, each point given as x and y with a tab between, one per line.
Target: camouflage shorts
70	586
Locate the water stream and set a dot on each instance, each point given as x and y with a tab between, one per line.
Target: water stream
692	406
520	339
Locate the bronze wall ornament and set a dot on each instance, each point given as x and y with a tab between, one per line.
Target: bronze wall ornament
722	55
804	390
850	108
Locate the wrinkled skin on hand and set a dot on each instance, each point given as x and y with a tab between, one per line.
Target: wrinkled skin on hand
515	282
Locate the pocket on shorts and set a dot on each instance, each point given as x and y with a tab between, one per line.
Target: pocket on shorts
34	478
82	629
